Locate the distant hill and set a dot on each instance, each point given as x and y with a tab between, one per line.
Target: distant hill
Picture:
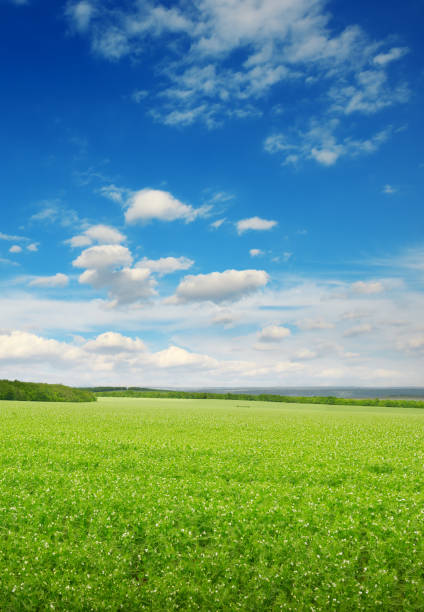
42	392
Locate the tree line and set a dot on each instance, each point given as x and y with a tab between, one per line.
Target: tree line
42	392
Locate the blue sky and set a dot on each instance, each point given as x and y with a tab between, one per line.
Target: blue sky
221	192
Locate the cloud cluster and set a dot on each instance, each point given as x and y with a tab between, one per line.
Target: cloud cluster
321	144
341	332
217	287
224	57
108	267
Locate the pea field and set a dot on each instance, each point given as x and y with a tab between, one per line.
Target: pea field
167	504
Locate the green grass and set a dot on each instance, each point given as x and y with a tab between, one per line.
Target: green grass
210	505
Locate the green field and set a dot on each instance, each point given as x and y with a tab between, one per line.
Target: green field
162	504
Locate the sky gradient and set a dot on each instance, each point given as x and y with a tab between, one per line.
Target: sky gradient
212	192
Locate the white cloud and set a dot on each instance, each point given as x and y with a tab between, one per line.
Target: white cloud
165	265
367	288
217	223
54	211
114	343
225	318
219	286
358	330
388	189
148	204
125	286
270	43
104	256
33	247
413	343
15	249
58	280
11	238
79	241
369	93
320	144
313	324
102	234
108	268
409	259
174	357
394	54
305	354
21	345
81	14
273	333
139	95
114	193
254	223
255	252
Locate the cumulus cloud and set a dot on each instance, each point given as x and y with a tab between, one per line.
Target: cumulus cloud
79	241
165	265
149	204
108	268
33	247
114	343
273	333
218	287
254	223
104	256
20	345
125	286
255	252
15	249
102	234
174	357
58	280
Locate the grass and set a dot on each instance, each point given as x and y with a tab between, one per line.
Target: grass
210	505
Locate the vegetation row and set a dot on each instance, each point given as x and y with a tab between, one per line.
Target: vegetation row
42	392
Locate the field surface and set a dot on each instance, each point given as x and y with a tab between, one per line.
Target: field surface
210	505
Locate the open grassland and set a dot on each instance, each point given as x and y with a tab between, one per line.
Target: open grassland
210	505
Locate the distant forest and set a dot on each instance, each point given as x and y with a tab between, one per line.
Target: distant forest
42	392
263	397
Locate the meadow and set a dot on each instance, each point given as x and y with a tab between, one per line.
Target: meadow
167	504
